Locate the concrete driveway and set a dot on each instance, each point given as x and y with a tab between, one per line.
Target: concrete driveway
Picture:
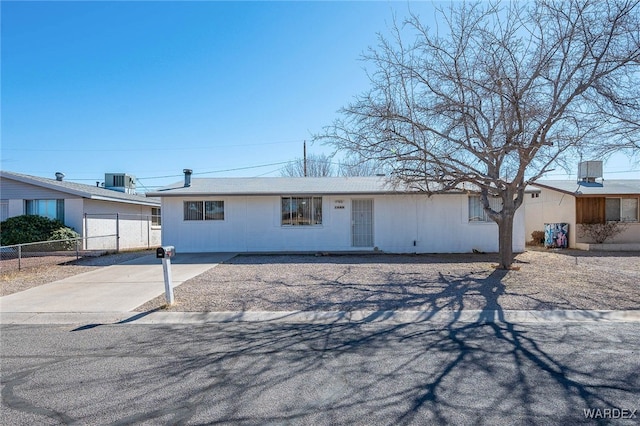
117	288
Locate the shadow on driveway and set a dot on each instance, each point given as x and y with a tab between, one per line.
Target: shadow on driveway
183	259
489	371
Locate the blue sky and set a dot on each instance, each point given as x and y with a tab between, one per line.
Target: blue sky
150	88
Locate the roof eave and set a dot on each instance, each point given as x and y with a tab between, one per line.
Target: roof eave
122	200
48	186
281	193
540	185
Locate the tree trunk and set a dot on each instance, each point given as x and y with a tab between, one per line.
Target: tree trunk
505	241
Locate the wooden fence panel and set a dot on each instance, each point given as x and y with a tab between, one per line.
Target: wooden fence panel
590	209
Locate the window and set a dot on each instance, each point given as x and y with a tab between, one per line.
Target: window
477	213
301	211
621	209
204	210
214	210
612	209
629	210
156	217
193	210
53	209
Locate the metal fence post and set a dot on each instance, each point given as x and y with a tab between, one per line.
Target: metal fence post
19	255
77	251
85	232
117	232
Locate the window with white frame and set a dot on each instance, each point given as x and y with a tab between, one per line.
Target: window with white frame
301	211
476	211
53	209
204	210
156	216
621	209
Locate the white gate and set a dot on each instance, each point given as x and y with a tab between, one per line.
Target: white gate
121	231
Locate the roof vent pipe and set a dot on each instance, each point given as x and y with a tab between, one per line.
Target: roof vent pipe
59	176
187	177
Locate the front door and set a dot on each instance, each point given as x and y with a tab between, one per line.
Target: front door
362	223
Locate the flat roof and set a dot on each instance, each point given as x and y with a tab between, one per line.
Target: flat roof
285	185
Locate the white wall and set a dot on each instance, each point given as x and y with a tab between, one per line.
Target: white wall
631	234
551	207
16	207
73	213
134	226
436	224
533	221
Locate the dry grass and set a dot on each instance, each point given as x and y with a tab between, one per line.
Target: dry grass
540	280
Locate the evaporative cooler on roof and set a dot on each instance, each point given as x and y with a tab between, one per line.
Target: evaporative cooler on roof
120	182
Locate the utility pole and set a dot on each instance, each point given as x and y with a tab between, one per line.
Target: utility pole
304	157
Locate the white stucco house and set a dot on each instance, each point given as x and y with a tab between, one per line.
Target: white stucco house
586	201
127	220
279	214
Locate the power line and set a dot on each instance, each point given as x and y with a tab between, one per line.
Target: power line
142	184
173	148
202	173
269	172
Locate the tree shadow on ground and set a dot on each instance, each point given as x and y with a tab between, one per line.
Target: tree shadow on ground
405	282
484	371
407	291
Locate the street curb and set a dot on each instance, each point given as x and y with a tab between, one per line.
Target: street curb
322	317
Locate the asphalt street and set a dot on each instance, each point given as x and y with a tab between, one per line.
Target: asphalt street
329	373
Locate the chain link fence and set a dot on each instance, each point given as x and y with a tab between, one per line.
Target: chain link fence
21	256
103	233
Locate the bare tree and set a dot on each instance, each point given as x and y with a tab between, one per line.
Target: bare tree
498	97
317	166
357	166
322	166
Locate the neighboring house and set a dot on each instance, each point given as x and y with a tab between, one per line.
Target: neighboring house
323	214
586	201
91	211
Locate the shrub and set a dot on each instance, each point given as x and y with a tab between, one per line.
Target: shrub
31	228
600	232
537	237
63	233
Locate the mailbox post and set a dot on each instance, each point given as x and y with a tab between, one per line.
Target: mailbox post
166	253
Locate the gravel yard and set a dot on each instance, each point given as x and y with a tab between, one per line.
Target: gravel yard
541	280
